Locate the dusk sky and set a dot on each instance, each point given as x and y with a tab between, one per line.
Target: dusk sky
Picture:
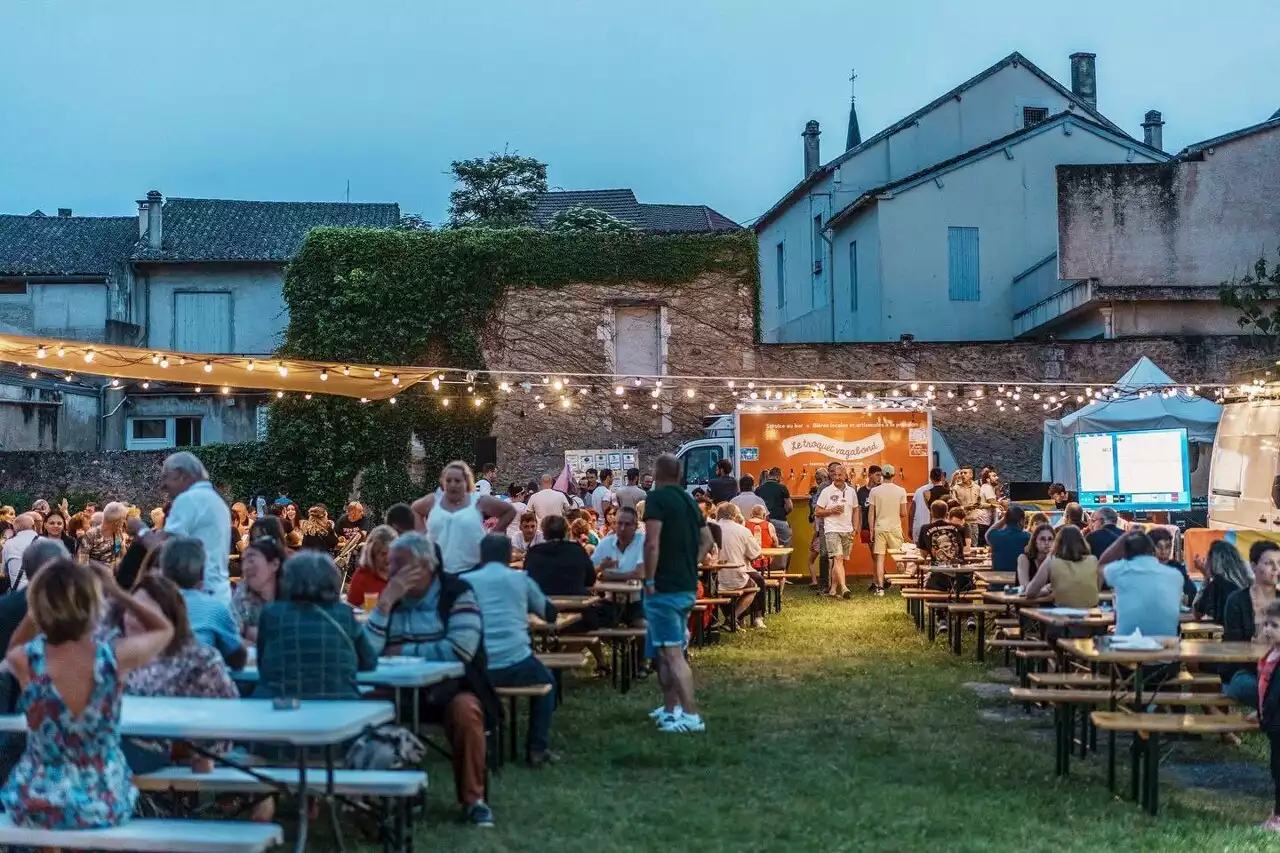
695	101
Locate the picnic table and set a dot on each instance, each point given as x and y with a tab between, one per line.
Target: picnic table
776	552
572	602
991	578
317	723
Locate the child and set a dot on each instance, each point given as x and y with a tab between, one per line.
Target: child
73	774
1269	701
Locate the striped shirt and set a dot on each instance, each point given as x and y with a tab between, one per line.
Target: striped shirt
414	624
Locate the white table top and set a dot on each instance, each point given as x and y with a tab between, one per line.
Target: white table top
316	722
391	672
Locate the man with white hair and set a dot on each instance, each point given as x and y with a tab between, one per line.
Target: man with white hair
104	542
25	533
198	511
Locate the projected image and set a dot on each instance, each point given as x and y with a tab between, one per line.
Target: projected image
1146	469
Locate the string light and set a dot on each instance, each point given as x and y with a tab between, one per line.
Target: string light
346	371
155	359
88	356
182	360
69	377
478	402
324	374
33	374
198	389
115	383
445	402
392	401
249	366
208	366
557	385
435	383
279	395
284	371
226	390
690	393
164	361
61	351
364	399
395	379
145	385
619	390
377	373
306	396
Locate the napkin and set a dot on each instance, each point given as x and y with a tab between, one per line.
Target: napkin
1135	642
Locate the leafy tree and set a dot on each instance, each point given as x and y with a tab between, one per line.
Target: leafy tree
498	191
581	218
1256	296
413	222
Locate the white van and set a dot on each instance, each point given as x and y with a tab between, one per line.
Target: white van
1244	481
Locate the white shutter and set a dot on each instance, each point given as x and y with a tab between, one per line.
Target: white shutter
202	322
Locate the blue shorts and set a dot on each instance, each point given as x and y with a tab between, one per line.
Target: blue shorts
668	616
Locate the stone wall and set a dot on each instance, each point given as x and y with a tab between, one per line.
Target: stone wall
710	332
131	476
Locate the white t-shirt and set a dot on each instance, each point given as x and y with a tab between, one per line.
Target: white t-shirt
887	499
484	487
988	495
602	497
513	529
922	511
548	502
846	500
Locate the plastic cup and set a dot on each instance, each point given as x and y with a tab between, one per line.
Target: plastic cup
370	601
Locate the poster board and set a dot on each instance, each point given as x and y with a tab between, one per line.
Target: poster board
617	459
799	442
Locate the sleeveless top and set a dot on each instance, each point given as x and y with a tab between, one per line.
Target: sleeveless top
457	533
1075	584
73	774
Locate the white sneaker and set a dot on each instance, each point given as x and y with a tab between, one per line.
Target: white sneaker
758	622
661	711
879	592
683	724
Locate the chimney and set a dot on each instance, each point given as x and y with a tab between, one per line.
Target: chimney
1084	80
151	219
812	159
1153	130
64	212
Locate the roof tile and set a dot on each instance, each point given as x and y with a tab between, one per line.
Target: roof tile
40	245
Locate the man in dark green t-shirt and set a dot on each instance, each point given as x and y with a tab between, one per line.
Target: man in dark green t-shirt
676	539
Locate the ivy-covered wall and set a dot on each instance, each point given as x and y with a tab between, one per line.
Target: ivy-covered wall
427	297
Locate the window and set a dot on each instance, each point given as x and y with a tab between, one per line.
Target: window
1034	115
13	286
700	465
637	341
202	322
162	433
962	264
780	273
819	249
853	276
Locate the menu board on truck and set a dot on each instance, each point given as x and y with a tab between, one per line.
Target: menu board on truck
799	442
617	458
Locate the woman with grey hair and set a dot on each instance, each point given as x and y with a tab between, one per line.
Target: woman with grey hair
310	645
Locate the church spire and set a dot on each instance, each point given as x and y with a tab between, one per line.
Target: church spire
854	139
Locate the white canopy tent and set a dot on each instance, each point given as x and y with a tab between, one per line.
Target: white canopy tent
1131	412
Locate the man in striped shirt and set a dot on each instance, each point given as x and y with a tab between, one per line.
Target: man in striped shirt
429	614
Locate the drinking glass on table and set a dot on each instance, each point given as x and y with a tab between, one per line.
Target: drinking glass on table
370	601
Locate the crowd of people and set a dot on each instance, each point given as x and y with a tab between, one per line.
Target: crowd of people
177	607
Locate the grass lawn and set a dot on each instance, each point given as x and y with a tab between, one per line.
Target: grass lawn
836	728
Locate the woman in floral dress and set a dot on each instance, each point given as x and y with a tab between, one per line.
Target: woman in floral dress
186	667
73	774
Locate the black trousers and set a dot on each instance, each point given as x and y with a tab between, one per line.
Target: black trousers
1274	737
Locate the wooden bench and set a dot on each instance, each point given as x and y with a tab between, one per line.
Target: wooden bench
1145	755
513	695
1088	679
147	835
229	780
970	609
558	662
625	657
917	598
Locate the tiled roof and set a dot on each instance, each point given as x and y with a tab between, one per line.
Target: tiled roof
1193	152
1014	58
40	245
622	204
207	229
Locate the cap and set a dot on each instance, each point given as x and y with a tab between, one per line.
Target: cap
887	470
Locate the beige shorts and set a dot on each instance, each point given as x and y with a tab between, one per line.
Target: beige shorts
838	544
886	540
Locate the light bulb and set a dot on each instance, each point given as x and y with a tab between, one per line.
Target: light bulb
392	401
164	361
445	402
395	379
226	390
544	405
557	385
69	377
42	352
324	374
279	395
364	399
564	402
249	366
346	371
33	374
115	383
306	396
155	358
751	384
626	406
88	356
711	406
479	402
638	382
182	360
198	389
730	383
435	383
377	373
208	367
284	371
145	385
619	390
690	393
61	351
654	407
